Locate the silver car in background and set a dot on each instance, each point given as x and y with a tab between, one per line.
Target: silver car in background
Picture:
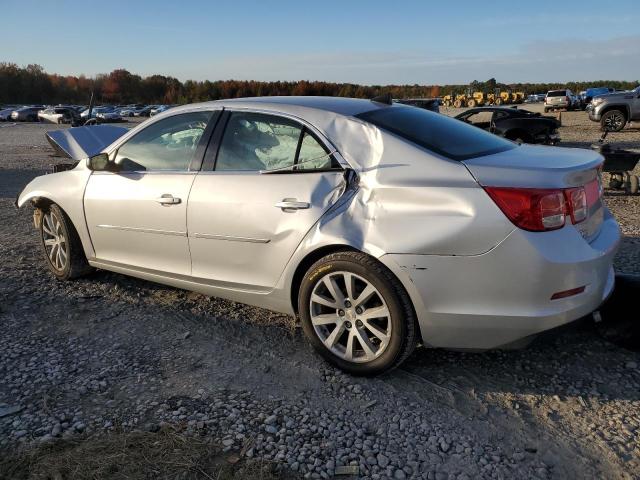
380	225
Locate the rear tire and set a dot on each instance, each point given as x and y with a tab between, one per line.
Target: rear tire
63	252
633	184
613	121
471	103
343	329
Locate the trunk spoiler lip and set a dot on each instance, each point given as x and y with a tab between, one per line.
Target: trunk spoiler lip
79	143
530	166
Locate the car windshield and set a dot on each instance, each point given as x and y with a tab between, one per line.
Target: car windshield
557	93
438	133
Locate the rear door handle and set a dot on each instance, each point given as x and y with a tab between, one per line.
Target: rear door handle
168	199
292	204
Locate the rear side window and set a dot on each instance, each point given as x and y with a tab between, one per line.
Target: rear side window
438	133
262	142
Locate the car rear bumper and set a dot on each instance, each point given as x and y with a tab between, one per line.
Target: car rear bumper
504	295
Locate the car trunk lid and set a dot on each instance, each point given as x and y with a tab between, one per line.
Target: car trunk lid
539	167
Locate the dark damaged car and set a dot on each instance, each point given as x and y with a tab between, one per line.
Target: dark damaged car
515	124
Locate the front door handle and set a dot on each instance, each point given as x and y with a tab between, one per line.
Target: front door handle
168	199
289	204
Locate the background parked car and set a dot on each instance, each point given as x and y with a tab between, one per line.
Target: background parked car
109	116
144	111
26	114
160	109
432	104
5	112
590	93
615	110
95	111
519	125
59	115
559	99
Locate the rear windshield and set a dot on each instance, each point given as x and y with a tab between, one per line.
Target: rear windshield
557	93
438	133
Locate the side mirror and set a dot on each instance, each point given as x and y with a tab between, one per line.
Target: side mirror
101	163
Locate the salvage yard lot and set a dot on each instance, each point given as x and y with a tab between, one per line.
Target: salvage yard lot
110	354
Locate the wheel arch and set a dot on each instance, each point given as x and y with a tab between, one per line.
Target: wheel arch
404	281
622	107
309	259
40	199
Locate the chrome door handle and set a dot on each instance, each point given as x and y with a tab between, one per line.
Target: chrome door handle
168	199
292	204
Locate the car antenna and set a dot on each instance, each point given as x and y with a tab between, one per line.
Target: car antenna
385	98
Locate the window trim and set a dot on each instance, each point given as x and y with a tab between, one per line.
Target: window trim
213	148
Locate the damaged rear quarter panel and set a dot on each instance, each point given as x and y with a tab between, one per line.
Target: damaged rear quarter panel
410	201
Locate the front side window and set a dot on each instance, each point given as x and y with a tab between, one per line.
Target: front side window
262	142
169	144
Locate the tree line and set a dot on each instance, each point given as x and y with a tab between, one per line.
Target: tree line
31	84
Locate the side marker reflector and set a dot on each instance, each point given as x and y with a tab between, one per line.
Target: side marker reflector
568	293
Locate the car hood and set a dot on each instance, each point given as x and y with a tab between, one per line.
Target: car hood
83	142
623	95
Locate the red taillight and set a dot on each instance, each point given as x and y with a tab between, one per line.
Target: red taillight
577	203
539	210
532	209
568	99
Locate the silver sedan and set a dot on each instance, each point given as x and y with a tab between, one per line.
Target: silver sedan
380	225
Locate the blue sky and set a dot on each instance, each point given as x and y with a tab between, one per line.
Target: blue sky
368	42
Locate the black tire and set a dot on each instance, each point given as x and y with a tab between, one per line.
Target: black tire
402	320
546	110
613	120
76	264
633	184
519	137
615	182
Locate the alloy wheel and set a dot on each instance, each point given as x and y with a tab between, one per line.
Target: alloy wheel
350	316
55	242
615	121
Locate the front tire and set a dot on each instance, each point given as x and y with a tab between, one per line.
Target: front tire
61	245
634	184
356	314
613	121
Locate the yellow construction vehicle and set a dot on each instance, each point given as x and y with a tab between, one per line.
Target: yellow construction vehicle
457	100
517	97
476	99
501	98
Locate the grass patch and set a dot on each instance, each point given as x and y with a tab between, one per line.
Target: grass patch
167	454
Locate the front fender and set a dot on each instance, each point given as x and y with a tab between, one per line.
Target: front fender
66	189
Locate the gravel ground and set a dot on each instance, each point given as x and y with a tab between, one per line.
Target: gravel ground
110	353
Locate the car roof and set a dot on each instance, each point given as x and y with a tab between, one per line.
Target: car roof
294	104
